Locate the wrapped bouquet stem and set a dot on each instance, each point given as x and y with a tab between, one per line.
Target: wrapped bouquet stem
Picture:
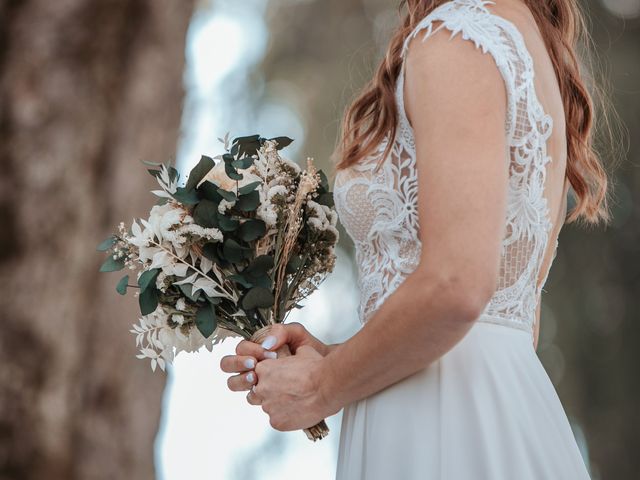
227	254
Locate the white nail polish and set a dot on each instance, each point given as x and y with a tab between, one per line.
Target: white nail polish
270	354
269	342
249	363
250	377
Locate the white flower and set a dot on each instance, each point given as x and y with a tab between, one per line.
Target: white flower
179	319
225	205
181	304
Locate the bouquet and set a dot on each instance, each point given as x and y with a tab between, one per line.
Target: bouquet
229	253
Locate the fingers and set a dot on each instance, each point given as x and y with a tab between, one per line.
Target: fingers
237	363
255	350
242	381
253	398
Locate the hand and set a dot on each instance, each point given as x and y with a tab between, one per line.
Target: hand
248	354
289	390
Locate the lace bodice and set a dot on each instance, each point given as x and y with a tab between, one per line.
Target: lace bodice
379	209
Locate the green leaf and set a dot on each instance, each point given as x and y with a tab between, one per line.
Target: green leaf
154	173
212	300
173	174
231	172
187	290
263	281
248	145
241	280
206	214
148	300
228	224
248	202
186	197
107	244
324	182
147	278
257	297
294	264
244	162
233	251
282	142
228	196
249	187
121	288
209	191
111	265
206	320
252	229
325	199
259	266
199	171
210	251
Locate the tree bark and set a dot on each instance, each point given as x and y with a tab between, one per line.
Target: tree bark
88	89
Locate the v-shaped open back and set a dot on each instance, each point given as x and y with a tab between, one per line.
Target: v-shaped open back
378	207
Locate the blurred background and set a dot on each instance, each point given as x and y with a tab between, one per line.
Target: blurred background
90	88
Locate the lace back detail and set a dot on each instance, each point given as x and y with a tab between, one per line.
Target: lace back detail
378	209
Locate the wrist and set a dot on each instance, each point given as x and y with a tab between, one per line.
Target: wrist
327	385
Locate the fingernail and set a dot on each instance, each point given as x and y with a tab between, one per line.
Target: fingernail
270	354
249	363
250	377
269	342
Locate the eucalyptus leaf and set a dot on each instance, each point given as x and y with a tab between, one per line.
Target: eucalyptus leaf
206	320
228	196
282	142
244	162
227	224
252	229
325	198
206	214
199	171
209	191
121	288
213	300
241	280
147	278
186	197
294	264
187	290
324	182
258	297
248	202
231	172
263	281
107	244
259	266
249	187
148	300
111	265
210	251
233	251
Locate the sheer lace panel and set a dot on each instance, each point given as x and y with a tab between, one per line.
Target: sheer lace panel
379	211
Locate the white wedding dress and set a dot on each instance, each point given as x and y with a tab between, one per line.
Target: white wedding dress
487	409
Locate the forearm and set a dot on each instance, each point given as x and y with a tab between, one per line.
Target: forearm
416	325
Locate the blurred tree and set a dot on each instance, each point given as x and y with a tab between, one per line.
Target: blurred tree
322	52
88	89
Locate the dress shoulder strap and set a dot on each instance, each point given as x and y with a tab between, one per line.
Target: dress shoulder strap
491	34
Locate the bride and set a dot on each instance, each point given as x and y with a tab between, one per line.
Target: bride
455	164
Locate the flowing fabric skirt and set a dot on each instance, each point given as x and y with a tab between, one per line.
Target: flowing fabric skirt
486	410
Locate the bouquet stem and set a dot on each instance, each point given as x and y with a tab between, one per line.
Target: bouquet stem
320	429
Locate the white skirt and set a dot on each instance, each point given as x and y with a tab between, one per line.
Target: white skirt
486	410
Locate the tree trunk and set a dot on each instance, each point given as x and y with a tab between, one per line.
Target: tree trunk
88	89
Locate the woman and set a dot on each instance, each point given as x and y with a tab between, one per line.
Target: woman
455	166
